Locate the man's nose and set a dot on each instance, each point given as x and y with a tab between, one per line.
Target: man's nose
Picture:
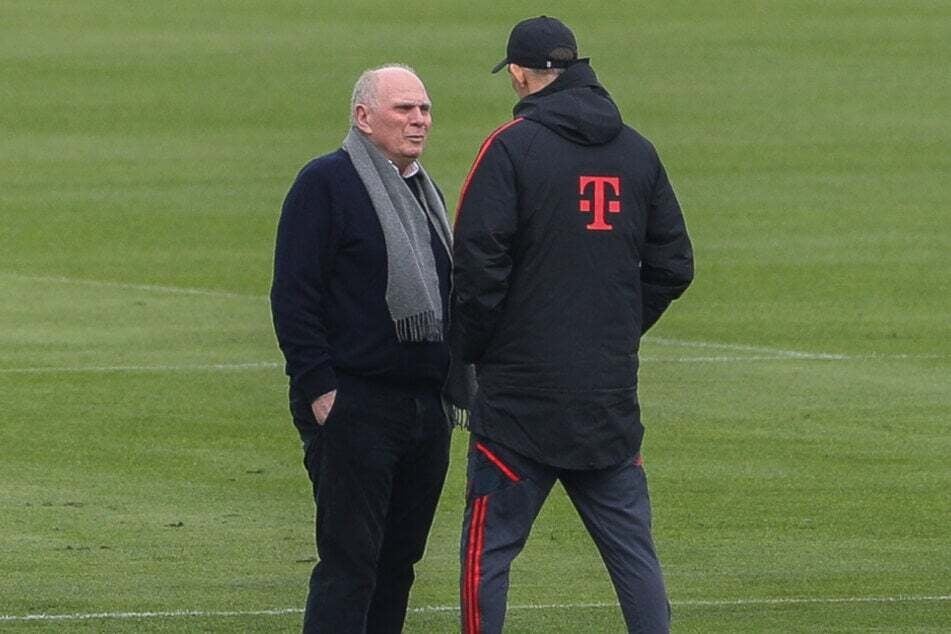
417	116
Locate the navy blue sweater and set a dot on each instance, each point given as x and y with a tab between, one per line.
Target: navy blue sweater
328	296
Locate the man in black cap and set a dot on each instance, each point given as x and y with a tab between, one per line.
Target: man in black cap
569	244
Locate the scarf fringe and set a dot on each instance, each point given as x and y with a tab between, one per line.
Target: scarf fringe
422	327
459	417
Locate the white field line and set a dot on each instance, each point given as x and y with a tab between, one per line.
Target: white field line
258	365
453	608
794	354
234	367
762	353
843	357
93	616
177	290
211	367
726	359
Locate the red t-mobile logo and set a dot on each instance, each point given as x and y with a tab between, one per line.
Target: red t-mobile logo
601	185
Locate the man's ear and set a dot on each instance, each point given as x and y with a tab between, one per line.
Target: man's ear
519	79
361	117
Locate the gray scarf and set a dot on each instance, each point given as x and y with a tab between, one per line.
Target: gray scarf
412	284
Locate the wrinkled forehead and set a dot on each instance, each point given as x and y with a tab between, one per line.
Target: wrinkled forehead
399	86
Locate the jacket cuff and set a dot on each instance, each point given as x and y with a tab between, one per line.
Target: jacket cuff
316	382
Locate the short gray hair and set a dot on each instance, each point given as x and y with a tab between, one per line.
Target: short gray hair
560	54
545	72
364	91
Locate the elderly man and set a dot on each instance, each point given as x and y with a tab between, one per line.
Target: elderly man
570	244
359	299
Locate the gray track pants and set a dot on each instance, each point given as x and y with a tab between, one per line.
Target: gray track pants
505	492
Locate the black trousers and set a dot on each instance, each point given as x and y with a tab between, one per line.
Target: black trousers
377	466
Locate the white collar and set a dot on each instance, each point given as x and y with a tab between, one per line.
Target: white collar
410	172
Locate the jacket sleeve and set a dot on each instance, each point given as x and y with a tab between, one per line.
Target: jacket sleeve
486	221
303	249
667	260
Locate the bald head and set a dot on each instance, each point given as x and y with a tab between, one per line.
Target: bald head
391	107
367	86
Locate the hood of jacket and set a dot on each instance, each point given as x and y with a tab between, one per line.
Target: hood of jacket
574	106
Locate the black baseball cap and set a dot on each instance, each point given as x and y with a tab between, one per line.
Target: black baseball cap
532	42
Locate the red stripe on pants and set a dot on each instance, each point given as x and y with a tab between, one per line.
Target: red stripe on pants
511	475
470	593
470	554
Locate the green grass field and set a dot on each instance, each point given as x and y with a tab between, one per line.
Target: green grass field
797	399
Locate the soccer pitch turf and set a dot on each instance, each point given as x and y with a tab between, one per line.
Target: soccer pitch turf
797	399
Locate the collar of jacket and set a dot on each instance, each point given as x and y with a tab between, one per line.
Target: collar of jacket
579	75
575	106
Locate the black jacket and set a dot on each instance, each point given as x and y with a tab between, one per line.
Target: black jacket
328	296
569	244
